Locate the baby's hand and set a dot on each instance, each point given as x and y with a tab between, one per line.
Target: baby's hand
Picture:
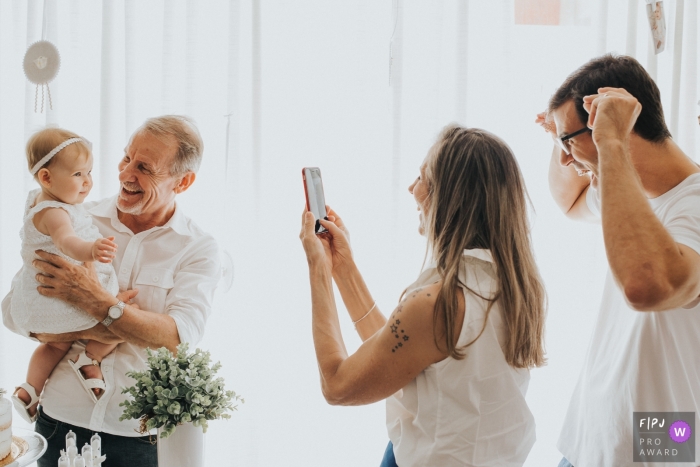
104	250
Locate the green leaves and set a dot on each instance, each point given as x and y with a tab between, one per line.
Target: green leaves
177	389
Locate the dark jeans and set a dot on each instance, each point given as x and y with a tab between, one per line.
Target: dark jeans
565	463
389	460
121	451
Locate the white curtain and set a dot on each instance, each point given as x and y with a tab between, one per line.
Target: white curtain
359	89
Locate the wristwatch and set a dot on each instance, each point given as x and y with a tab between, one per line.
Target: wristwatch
115	312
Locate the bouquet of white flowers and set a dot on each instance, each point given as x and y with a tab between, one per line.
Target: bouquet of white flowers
177	389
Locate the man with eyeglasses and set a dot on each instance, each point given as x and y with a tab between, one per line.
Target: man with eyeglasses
615	162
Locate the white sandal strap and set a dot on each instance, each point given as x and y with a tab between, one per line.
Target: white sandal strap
31	391
94	383
88	384
22	408
84	360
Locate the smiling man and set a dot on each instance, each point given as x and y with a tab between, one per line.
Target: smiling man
615	161
165	257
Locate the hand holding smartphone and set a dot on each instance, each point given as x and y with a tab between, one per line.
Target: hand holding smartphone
315	201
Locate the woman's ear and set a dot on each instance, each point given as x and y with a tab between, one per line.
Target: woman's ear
44	177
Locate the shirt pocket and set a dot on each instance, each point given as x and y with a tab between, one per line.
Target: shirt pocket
153	285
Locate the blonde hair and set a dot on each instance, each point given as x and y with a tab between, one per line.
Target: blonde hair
477	199
44	141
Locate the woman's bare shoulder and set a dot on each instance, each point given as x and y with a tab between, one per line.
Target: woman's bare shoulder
418	308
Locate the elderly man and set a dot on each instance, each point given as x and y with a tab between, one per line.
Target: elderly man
167	270
615	161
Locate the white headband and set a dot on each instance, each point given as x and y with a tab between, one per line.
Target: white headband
55	151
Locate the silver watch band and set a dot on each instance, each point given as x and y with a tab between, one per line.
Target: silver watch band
109	320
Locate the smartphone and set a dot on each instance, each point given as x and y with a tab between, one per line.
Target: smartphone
315	201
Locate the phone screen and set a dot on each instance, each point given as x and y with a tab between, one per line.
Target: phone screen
315	201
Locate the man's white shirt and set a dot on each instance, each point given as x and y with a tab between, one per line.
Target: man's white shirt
637	361
175	268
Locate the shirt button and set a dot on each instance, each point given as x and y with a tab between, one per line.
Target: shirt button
124	270
155	278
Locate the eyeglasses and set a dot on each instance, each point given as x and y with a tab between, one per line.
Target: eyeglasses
563	140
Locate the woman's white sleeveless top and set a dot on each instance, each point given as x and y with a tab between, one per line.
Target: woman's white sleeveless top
33	312
469	412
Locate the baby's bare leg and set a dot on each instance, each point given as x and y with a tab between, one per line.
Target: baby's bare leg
96	351
43	361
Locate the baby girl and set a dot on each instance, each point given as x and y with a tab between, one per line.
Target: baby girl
55	221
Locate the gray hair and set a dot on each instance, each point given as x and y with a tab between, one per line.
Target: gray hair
189	142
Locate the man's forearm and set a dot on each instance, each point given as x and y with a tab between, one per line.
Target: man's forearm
565	185
80	286
142	328
64	337
641	252
147	329
97	333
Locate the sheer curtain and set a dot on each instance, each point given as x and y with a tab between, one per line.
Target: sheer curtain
360	89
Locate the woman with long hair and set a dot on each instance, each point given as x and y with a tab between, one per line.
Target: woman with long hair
453	359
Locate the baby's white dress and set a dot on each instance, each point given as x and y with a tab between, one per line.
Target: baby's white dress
33	312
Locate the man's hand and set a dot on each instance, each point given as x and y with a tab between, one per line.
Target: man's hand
97	333
127	295
77	284
545	121
612	115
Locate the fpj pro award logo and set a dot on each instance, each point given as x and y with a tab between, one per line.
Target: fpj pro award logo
664	436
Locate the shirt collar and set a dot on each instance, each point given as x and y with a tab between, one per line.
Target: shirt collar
480	253
107	208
